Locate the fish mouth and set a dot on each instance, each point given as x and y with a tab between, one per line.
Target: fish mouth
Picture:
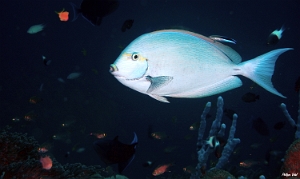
113	68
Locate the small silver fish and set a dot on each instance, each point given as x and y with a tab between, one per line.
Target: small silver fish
36	28
183	64
72	76
222	39
46	61
275	36
61	80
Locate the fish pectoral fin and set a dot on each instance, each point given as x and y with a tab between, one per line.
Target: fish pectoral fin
158	82
159	98
123	165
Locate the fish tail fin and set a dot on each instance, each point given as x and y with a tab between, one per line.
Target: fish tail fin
261	68
75	11
282	28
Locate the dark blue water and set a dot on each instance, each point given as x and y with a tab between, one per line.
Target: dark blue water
97	101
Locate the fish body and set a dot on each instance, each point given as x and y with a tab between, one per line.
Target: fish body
46	162
249	163
61	80
63	15
46	61
250	97
127	25
279	125
229	113
99	135
42	150
35	100
161	169
35	28
213	142
30	116
189	169
94	10
260	126
148	164
183	64
74	75
159	135
195	126
275	36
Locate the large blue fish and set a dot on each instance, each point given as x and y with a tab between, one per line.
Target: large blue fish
183	64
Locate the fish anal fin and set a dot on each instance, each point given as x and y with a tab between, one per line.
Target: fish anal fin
158	82
159	98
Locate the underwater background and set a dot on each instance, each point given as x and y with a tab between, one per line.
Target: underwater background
68	111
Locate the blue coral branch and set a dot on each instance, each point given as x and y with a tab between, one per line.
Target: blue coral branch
202	125
291	120
231	143
217	129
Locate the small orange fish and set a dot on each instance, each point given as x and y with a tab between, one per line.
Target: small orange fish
46	162
195	126
159	135
42	150
249	163
189	169
161	169
35	100
30	116
63	15
100	135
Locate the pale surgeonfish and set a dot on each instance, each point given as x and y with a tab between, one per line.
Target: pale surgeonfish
183	64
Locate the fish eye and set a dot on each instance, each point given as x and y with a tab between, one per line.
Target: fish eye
135	56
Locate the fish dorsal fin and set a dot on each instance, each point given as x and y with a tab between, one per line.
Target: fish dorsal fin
229	52
135	139
226	50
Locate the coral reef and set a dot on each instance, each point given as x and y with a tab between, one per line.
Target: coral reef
291	120
218	174
218	130
19	159
291	164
